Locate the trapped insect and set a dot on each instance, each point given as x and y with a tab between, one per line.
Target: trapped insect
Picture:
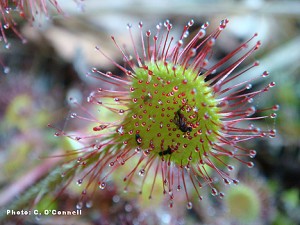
169	151
181	121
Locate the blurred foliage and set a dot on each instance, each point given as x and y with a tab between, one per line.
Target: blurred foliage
51	67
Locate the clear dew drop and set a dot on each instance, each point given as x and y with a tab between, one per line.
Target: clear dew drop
142	172
222	24
38	217
7	46
138	150
120	130
24	41
102	185
256	63
272	84
272	133
166	182
108	73
256	130
89	98
275	107
189	205
230	167
120	160
79	205
166	23
250	164
221	195
73	115
128	207
79	182
7	10
265	74
186	34
139	140
252	153
158	26
226	181
6	70
273	115
201	33
205	25
235	181
211	42
129	25
6	26
214	192
191	23
250	111
179	44
89	204
187	167
140	24
146	152
116	198
248	86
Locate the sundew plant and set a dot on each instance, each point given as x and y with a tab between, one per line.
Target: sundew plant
12	11
177	115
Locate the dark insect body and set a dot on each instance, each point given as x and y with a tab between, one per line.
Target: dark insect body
166	152
180	121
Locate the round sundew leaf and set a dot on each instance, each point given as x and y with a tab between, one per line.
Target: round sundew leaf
128	189
18	111
47	203
243	203
171	113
